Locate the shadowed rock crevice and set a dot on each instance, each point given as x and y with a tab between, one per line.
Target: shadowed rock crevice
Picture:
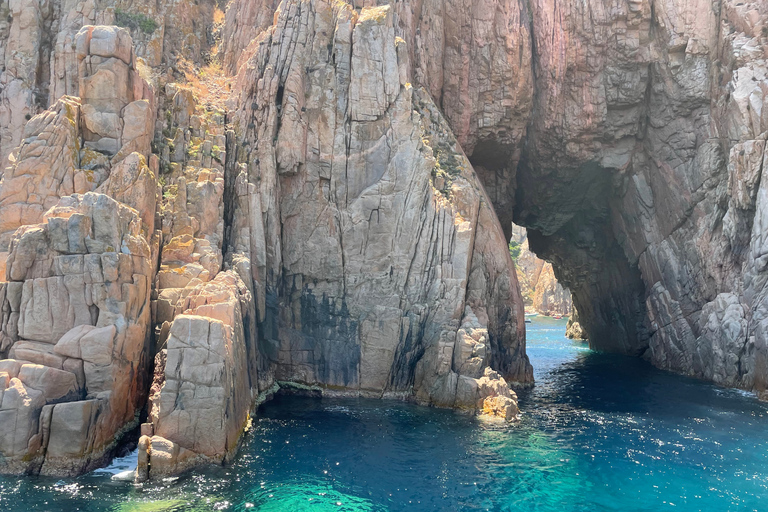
569	225
496	165
316	218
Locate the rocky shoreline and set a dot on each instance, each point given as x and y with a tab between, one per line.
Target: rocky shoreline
197	205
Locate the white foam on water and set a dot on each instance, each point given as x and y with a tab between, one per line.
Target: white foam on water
120	465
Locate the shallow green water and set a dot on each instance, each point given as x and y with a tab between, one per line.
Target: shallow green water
599	433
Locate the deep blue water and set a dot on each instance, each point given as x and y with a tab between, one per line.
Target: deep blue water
599	433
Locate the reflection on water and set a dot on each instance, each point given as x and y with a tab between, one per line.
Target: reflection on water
600	432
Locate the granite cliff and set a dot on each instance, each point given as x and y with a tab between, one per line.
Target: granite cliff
204	204
538	285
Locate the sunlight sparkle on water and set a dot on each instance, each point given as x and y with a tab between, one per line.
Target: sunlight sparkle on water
599	432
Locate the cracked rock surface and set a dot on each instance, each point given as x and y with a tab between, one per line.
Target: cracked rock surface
197	205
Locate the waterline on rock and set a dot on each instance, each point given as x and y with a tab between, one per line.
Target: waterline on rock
598	432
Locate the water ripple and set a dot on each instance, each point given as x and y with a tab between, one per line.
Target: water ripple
599	433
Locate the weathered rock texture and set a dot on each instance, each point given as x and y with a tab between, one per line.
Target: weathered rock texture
77	277
540	289
338	224
200	408
641	183
365	254
327	231
573	329
70	147
628	137
77	290
39	54
373	239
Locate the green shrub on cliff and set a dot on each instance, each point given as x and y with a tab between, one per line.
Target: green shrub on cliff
135	21
514	250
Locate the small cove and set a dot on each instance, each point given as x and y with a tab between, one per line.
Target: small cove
599	432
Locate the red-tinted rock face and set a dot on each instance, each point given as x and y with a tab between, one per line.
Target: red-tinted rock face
344	221
639	182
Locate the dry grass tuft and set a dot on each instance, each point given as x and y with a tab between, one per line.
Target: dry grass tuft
209	83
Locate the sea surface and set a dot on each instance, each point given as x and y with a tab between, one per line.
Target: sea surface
599	433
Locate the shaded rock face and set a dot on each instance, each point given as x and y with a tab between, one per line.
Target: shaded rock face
641	170
573	329
550	298
344	221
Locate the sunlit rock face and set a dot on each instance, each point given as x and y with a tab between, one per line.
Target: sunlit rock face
161	252
77	206
374	239
538	285
202	204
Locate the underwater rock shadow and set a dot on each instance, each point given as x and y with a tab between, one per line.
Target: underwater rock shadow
617	384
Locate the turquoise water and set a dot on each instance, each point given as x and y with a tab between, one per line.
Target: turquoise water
599	433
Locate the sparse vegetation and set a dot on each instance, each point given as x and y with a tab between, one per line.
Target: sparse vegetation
135	21
208	83
170	192
218	16
514	250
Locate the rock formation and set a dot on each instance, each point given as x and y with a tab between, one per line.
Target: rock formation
573	329
538	284
78	270
327	237
550	298
384	230
641	180
78	288
336	213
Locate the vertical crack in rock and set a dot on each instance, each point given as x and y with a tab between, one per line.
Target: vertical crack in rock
231	171
335	234
349	291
